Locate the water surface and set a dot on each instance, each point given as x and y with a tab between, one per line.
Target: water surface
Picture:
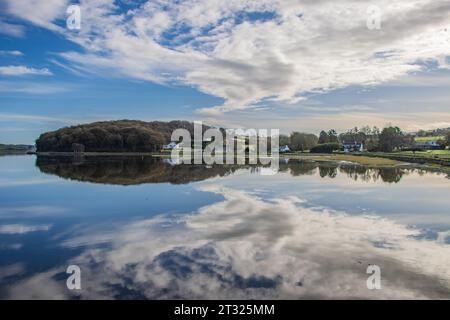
144	228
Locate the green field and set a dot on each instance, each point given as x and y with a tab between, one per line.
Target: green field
442	154
431	157
425	139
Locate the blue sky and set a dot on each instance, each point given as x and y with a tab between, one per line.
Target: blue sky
265	64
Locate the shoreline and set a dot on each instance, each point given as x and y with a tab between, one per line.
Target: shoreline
370	159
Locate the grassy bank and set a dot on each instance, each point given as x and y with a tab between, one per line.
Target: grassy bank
425	139
369	161
432	157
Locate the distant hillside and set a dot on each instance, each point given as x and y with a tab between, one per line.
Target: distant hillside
15	148
433	133
112	136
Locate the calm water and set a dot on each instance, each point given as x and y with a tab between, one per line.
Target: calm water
144	228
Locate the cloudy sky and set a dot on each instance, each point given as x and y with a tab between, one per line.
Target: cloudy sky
290	64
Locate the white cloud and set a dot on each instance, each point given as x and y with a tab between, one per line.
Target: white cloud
13	30
11	270
293	47
41	13
7	183
244	247
34	88
14	53
27	117
23	70
21	229
32	211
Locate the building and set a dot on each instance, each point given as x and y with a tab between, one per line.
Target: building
353	146
172	146
284	149
429	145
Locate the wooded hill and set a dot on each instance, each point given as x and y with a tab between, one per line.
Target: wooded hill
112	136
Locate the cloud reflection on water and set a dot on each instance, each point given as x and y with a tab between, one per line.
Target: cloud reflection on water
249	247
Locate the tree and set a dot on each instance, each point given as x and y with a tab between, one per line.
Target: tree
323	137
302	141
113	136
325	148
375	131
366	130
421	133
447	139
332	136
371	143
284	140
391	138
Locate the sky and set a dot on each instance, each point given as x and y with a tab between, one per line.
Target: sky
275	64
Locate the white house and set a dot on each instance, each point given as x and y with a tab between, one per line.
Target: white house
172	146
431	144
284	149
353	146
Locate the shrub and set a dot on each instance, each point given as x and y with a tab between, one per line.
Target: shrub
325	148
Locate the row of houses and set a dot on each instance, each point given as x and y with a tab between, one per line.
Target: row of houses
430	145
354	146
347	147
359	146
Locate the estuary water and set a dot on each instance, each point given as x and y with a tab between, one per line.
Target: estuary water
147	228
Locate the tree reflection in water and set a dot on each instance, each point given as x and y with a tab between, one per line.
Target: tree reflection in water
125	170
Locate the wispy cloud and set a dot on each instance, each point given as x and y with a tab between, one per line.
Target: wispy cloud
223	250
342	121
34	87
292	49
24	182
24	117
31	211
14	53
41	13
22	229
247	52
11	270
23	70
13	30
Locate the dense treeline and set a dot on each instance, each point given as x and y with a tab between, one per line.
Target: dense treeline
388	139
300	141
433	133
328	147
140	136
112	136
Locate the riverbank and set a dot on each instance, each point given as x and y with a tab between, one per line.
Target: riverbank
372	161
376	159
432	157
364	160
101	154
